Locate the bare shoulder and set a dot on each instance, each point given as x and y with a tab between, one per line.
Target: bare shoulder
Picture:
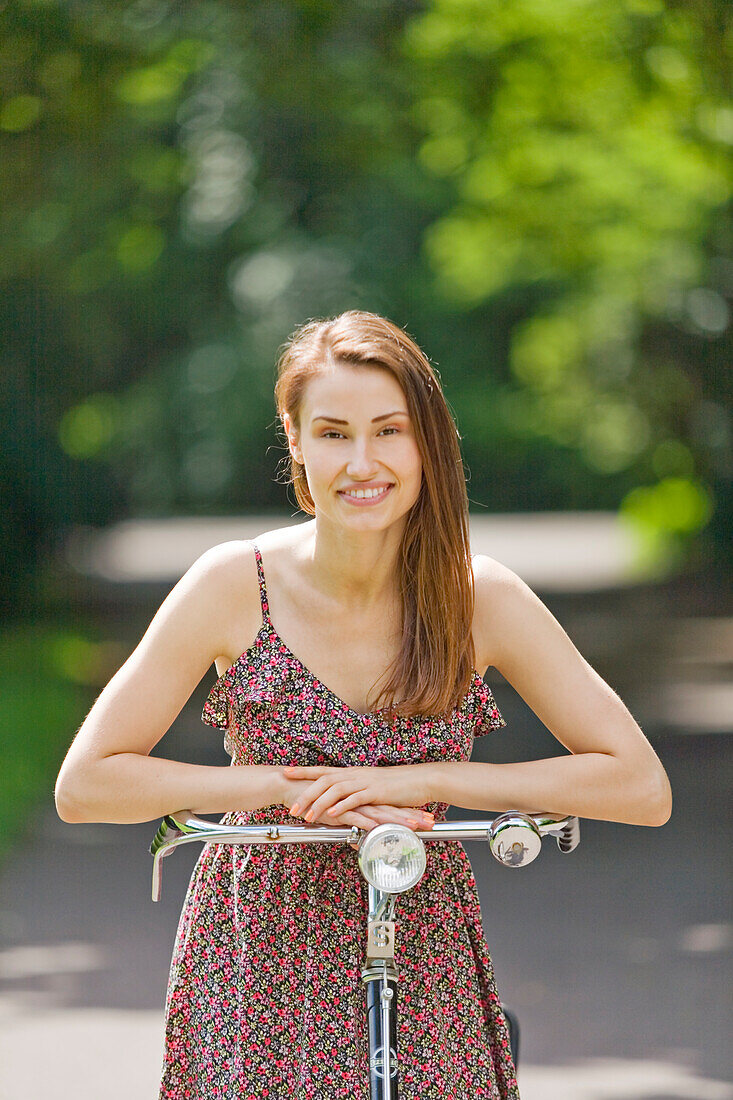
500	596
228	575
217	590
492	576
220	566
283	540
234	583
523	639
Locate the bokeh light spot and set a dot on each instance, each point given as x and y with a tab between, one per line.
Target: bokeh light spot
20	113
151	85
675	505
708	310
86	429
672	458
261	278
614	433
140	247
47	222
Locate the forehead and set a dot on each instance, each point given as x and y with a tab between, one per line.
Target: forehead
350	392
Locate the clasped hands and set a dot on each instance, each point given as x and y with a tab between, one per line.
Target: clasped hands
365	797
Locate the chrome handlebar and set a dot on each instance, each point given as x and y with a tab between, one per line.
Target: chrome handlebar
515	838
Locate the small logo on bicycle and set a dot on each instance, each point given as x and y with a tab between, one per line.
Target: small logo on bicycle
377	1063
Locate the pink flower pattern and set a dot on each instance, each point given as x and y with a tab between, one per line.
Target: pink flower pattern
265	997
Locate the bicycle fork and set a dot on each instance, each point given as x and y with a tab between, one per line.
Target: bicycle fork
380	976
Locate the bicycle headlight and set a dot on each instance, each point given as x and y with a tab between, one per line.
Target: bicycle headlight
392	858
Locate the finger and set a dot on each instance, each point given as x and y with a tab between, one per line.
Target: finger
383	813
350	819
387	816
371	820
349	803
306	798
377	815
399	815
322	794
330	797
390	815
303	771
362	821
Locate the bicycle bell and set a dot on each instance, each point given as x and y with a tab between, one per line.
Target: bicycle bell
392	858
514	839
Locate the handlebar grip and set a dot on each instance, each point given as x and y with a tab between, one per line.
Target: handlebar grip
167	831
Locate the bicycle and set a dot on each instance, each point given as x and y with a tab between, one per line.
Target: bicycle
392	859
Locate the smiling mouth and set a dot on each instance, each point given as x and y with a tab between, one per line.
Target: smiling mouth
360	496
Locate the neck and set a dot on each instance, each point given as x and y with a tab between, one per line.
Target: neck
357	569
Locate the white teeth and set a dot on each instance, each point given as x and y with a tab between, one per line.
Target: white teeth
361	493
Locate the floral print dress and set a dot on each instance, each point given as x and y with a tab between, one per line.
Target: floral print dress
265	997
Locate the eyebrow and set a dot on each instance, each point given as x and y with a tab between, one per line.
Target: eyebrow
376	420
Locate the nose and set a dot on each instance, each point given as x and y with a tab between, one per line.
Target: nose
361	464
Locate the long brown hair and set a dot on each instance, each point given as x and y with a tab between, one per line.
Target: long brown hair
435	664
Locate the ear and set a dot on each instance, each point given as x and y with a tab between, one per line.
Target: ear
292	434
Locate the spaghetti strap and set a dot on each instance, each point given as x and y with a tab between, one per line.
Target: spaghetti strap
263	586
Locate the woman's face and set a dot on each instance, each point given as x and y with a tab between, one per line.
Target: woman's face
358	446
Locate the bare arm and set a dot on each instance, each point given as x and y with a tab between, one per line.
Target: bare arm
108	774
612	774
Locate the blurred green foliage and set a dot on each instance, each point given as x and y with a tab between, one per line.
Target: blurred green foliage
538	190
37	727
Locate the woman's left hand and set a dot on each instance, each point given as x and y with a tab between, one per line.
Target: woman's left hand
340	789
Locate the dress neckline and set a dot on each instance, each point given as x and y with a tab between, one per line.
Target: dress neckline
267	629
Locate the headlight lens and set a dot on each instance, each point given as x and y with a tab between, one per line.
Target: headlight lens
392	858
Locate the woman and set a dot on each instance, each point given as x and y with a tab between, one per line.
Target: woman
350	651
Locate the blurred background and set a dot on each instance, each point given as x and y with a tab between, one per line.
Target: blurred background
540	193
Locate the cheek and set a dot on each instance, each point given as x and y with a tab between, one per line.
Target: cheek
408	466
412	460
321	465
